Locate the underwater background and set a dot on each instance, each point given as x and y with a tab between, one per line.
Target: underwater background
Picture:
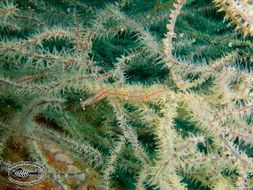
127	94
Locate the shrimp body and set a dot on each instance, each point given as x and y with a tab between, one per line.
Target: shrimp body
94	99
108	92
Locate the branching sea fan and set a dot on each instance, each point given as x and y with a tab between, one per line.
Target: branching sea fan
126	94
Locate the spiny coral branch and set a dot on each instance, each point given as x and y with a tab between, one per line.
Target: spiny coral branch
167	42
240	12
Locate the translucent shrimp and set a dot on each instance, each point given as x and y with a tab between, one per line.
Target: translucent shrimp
125	95
94	99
